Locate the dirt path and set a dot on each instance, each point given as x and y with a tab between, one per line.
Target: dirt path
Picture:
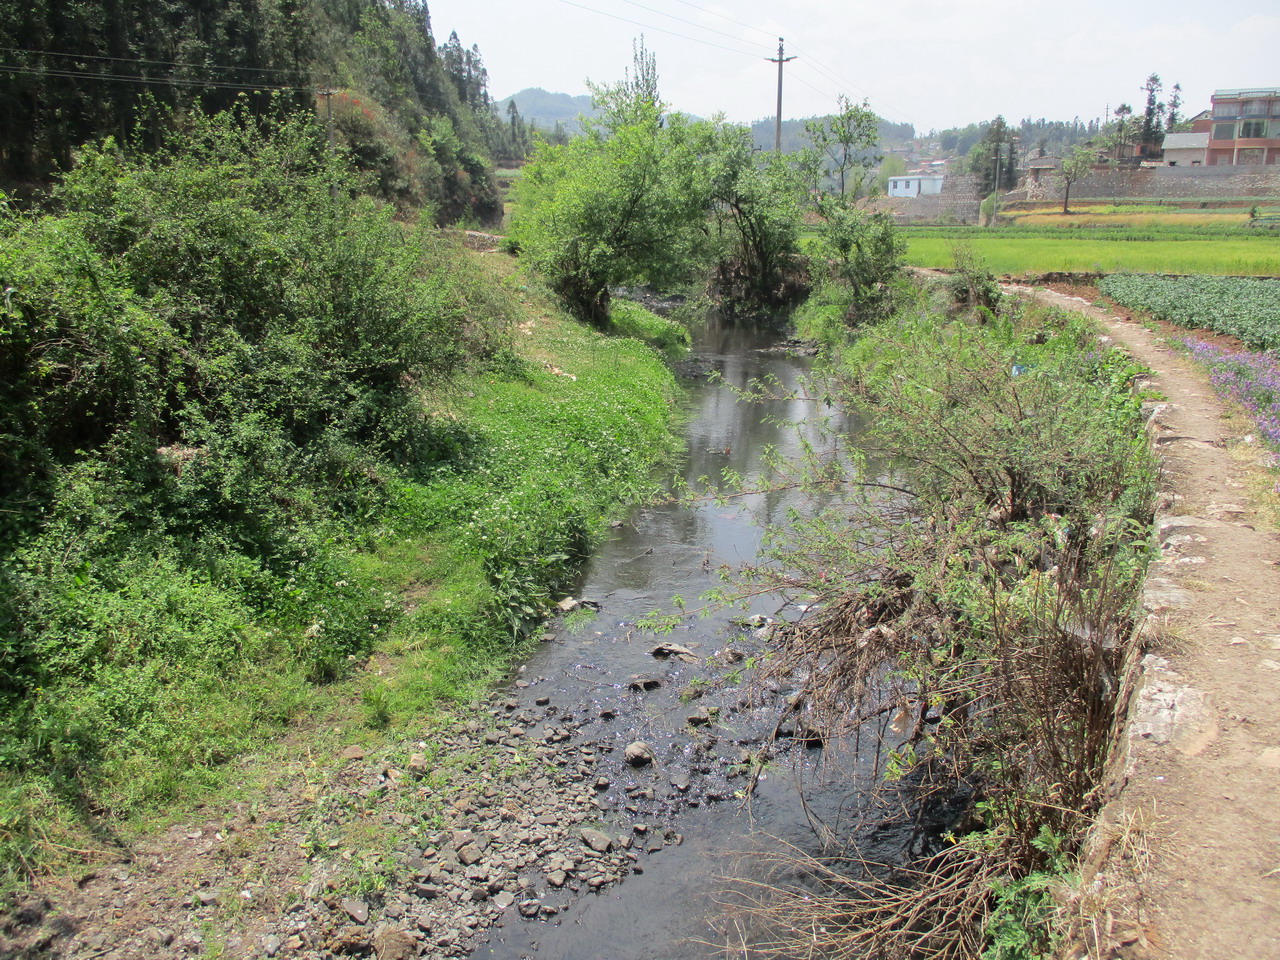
1203	748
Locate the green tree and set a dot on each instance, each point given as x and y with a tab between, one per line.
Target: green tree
1152	132
1075	166
844	146
986	157
757	204
890	166
1172	118
624	203
1122	132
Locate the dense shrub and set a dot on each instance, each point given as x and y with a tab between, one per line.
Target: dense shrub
214	364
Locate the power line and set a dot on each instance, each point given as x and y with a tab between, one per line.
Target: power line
817	65
648	26
836	78
826	95
672	16
154	81
723	16
156	63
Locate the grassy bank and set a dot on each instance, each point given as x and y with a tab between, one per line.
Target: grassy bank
257	437
973	604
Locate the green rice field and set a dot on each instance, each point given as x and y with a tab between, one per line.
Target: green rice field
1248	256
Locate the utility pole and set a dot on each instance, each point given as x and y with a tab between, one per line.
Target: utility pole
777	128
328	110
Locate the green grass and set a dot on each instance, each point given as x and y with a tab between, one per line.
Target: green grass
629	319
1010	254
537	450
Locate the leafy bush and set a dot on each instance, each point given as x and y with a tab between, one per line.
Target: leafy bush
216	374
974	580
1246	308
860	259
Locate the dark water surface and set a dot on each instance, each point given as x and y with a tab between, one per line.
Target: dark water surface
666	911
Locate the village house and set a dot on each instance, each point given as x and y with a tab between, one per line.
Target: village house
915	185
1246	127
1185	149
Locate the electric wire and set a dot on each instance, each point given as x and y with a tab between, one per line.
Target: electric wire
823	93
724	16
672	16
156	63
818	66
647	26
841	81
153	81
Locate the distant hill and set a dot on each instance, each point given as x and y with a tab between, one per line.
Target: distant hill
545	109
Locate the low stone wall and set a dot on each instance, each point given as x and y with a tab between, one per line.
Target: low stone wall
1171	183
958	202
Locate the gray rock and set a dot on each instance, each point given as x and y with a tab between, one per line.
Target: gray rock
639	754
598	841
702	717
418	765
271	945
357	910
665	650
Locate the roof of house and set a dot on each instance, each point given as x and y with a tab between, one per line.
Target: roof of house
1186	141
1244	92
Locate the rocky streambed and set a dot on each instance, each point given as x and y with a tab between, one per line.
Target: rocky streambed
590	808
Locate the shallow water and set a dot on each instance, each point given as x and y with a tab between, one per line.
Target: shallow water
693	792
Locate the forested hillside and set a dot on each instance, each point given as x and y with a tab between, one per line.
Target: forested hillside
415	115
549	111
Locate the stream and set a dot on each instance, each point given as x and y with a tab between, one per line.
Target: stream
690	800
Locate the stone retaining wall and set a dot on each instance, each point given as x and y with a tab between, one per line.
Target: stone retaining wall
958	202
1165	183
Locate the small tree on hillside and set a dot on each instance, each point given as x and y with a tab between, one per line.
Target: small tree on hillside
626	202
1171	115
1122	113
1075	166
844	146
1152	134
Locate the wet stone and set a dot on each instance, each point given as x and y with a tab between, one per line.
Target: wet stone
639	754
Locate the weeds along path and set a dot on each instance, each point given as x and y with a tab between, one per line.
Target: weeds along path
1195	826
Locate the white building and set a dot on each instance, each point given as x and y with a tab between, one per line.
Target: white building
914	185
1185	149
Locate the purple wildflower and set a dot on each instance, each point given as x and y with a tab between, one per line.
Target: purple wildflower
1247	378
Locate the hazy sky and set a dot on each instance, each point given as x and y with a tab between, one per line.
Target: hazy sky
933	63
